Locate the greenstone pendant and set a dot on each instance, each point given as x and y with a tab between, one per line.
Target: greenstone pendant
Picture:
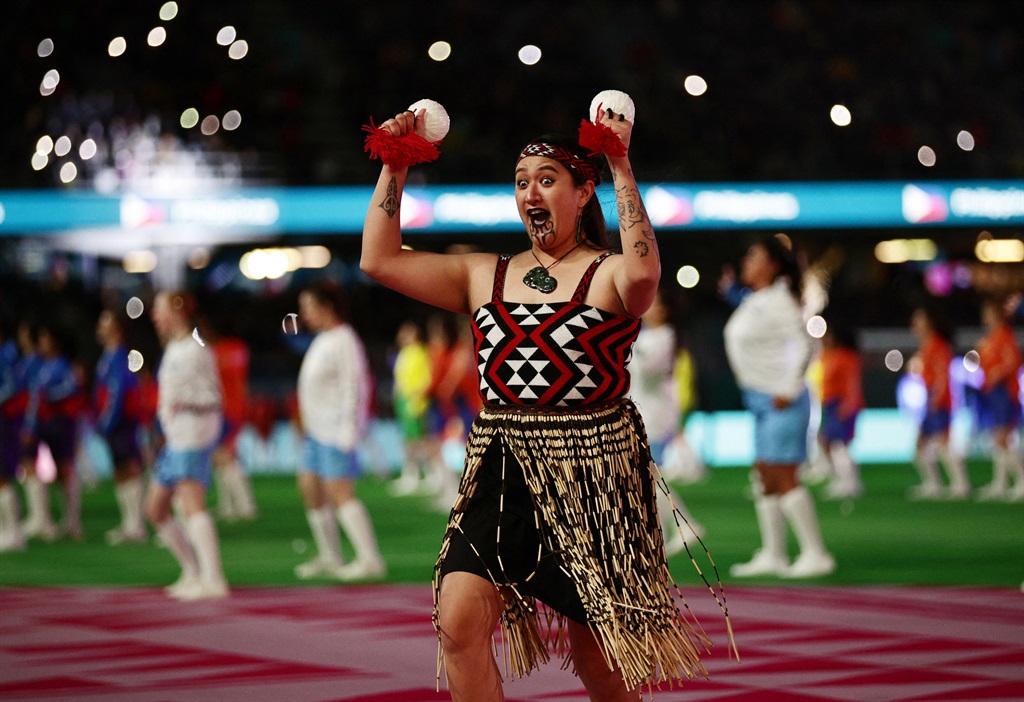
539	279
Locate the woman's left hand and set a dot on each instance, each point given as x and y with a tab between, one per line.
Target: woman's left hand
618	123
780	402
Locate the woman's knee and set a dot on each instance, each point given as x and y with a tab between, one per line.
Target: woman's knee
468	611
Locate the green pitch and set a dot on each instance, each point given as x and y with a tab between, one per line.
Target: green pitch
880	538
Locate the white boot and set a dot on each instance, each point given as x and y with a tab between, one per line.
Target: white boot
771	558
11	536
38	521
819	469
202	533
368	563
171	533
814	560
846	483
329	558
959	485
925	462
997	489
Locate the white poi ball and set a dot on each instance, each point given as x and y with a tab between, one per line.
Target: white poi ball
619	102
433	126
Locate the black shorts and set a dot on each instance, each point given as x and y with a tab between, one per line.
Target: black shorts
520	539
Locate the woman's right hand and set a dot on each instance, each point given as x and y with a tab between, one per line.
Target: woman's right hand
403	123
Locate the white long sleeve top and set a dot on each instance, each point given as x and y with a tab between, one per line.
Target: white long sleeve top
652	386
767	343
188	396
335	388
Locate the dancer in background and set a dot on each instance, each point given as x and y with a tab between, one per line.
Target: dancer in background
412	374
334	394
768	349
117	406
55	403
235	498
12	402
842	399
933	358
999	358
653	389
189	412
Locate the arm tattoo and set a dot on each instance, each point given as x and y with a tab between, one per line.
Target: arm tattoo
390	203
641	248
632	212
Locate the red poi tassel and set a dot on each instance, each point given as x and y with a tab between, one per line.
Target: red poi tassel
600	139
398	152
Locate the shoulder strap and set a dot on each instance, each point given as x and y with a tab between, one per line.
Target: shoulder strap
498	292
581	290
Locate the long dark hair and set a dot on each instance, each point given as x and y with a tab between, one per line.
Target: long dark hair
592	222
781	253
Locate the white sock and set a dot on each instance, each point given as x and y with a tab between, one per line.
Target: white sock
132	492
37	497
847	471
955	468
355	520
772	525
10	514
173	535
240	489
927	468
225	505
1014	467
202	532
325	534
73	503
798	506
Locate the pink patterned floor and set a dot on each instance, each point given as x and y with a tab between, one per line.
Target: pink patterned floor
376	644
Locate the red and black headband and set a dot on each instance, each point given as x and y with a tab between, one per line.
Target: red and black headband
579	166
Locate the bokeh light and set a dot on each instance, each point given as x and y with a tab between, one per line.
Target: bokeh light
840	115
238	49
134	361
189	118
143	261
529	54
168	11
62	146
156	36
199	258
51	78
39	161
210	125
999	250
232	120
134	308
87	149
226	35
894	360
965	140
44	145
439	50
816	326
695	85
972	361
687	276
117	46
68	172
926	155
45	48
290	323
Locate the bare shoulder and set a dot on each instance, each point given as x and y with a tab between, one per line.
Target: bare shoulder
603	293
480	269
